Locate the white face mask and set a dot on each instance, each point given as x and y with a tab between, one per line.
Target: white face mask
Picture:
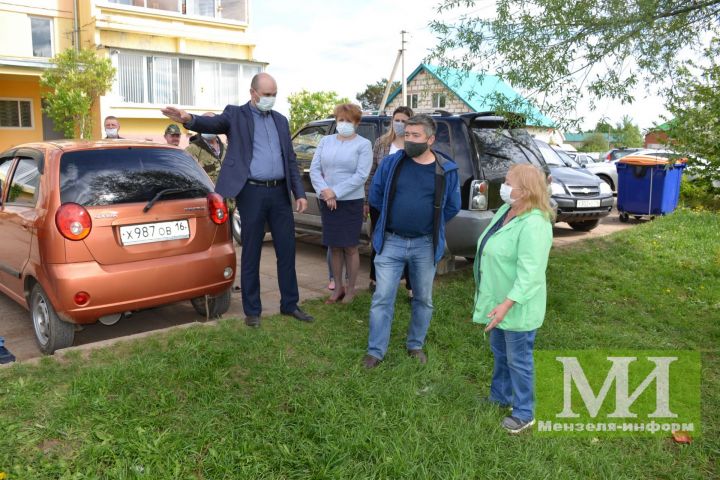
399	128
111	132
345	129
505	191
265	104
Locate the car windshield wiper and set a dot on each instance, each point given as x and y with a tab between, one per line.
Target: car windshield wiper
168	191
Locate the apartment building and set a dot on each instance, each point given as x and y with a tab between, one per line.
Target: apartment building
193	53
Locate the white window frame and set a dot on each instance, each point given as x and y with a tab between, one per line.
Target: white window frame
410	98
145	7
214	104
436	99
32	113
52	35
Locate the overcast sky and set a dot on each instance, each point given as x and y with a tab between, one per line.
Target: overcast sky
343	45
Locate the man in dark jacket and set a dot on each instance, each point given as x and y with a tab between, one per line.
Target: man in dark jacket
417	192
261	172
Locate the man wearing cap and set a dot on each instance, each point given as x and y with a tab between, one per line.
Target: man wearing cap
172	135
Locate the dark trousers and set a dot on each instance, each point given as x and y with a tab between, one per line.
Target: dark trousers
256	206
374	217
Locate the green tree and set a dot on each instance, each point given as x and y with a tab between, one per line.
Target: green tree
695	105
72	87
559	51
371	97
628	134
595	142
307	106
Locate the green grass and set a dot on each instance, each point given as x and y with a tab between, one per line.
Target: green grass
290	400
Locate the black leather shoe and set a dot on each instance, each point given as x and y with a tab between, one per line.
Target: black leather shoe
370	362
419	354
252	321
300	315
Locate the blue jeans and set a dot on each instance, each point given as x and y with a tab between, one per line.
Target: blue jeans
514	371
417	254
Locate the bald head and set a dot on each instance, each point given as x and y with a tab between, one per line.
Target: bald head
263	90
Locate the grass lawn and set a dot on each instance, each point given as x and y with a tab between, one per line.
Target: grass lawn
290	400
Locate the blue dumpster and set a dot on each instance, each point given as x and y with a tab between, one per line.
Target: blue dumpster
5	355
647	186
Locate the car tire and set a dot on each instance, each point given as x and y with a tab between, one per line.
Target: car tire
51	333
624	217
585	226
216	305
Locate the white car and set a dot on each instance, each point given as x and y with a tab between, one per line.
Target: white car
607	171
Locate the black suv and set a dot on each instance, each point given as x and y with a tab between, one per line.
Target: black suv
483	145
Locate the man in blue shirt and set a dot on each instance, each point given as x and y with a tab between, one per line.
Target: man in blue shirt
416	191
261	172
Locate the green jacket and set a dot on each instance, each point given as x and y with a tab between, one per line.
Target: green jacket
513	266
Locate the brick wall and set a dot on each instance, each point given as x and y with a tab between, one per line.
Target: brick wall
424	86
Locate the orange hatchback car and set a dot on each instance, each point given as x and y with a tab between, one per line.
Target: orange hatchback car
90	230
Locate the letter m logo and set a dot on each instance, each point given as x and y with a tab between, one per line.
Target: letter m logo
618	374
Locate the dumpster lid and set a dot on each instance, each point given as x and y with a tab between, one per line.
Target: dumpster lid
648	160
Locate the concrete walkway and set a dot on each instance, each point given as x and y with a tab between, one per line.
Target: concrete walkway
311	267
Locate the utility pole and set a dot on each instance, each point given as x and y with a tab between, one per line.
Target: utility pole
404	79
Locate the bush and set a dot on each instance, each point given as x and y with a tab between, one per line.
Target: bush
699	195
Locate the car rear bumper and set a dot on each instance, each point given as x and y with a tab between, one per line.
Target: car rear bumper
138	285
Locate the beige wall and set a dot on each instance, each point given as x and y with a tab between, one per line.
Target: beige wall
24	88
15	32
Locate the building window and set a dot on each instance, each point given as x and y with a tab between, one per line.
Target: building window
222	9
225	9
168	5
412	100
15	113
438	100
41	29
184	81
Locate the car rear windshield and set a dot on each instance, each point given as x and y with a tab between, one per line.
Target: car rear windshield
128	175
500	148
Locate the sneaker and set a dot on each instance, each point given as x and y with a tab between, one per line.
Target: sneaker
515	425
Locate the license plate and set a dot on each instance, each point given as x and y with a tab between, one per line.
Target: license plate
154	232
588	203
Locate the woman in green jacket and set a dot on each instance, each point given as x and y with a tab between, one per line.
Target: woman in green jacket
510	293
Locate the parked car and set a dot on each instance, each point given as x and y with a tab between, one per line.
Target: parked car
581	158
91	230
483	145
618	153
582	198
607	171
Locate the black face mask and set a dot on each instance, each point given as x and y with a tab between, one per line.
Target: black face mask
415	149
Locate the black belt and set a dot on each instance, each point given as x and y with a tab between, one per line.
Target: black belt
266	183
402	235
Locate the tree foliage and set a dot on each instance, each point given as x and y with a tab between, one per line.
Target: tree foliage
559	51
371	97
694	103
72	88
627	134
595	142
307	106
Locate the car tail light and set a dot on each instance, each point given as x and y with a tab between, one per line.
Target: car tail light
81	298
73	221
218	209
478	195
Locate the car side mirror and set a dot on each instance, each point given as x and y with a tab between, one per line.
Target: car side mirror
478	195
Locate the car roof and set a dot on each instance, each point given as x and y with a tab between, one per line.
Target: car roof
73	145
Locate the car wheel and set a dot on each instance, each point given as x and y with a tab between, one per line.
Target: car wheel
216	305
236	228
624	217
585	226
51	333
